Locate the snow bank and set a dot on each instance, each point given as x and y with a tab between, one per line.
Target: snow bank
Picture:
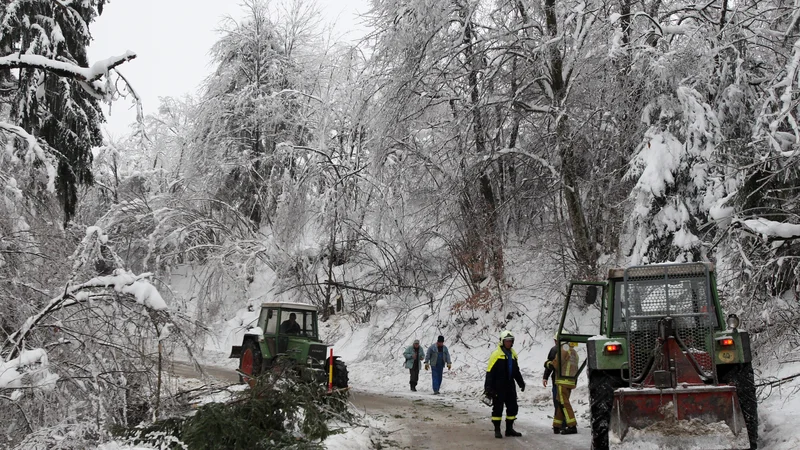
779	411
681	435
352	439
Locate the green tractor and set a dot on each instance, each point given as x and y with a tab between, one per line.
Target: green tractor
287	336
662	356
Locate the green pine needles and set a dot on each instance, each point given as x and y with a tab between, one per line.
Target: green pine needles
285	413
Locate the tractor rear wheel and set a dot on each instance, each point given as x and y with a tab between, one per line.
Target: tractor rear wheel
250	362
741	376
340	375
601	399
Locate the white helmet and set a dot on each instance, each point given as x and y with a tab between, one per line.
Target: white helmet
506	335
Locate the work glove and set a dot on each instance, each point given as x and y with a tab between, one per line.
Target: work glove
488	393
522	387
427	366
448	366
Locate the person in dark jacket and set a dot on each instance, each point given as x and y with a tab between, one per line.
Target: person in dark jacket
550	373
414	356
501	373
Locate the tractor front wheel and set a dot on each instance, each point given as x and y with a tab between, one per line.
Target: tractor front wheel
250	362
741	376
340	375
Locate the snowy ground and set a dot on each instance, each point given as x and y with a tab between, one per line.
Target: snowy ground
779	411
373	351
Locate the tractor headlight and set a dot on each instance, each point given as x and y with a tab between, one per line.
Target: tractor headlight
732	321
310	361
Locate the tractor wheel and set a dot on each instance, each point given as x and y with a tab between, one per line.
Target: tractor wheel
601	399
250	362
741	376
340	376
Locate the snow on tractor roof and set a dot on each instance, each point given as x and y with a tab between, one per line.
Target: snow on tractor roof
290	305
672	269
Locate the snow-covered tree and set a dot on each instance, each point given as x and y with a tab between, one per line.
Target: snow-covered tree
253	102
56	95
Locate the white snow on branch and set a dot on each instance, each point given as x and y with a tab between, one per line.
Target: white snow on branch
102	237
786	103
34	152
93	73
656	162
124	281
771	229
10	376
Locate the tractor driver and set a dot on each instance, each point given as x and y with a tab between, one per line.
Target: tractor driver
290	326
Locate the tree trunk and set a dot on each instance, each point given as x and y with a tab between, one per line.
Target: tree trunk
486	208
583	247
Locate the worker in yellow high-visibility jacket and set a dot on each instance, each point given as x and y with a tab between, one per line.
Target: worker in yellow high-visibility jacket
502	377
566	368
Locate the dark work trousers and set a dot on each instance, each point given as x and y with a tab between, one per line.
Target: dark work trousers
414	376
556	405
507	399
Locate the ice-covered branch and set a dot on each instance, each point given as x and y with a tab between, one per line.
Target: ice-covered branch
136	287
87	76
34	150
769	229
785	104
65	69
539	159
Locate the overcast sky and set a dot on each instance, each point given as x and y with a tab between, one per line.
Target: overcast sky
171	39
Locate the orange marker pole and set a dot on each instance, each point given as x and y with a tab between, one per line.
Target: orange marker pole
330	374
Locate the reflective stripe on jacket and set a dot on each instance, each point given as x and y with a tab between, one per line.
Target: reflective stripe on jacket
497	376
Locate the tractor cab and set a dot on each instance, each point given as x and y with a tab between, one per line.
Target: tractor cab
291	329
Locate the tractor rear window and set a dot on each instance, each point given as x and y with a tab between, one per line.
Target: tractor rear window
682	299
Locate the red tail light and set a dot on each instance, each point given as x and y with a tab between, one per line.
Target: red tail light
613	349
726	342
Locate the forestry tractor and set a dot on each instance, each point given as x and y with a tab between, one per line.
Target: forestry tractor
286	336
661	356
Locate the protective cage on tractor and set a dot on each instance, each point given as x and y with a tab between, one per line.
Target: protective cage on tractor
662	355
286	337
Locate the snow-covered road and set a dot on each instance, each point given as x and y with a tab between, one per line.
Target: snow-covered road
423	421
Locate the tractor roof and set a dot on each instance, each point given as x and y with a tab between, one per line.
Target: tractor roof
290	305
673	269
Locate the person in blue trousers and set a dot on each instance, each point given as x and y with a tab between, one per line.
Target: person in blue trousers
435	360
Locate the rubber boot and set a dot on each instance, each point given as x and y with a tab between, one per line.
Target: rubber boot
510	429
497	433
556	430
570	430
